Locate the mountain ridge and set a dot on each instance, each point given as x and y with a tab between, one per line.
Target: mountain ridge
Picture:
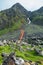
37	17
15	18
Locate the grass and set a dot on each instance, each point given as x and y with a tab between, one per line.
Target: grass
16	25
26	55
32	28
14	33
5	49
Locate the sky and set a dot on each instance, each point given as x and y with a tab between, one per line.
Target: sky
30	5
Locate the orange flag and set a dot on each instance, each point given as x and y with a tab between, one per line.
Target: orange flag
21	34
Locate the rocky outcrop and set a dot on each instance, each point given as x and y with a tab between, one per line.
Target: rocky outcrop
13	60
1	43
40	52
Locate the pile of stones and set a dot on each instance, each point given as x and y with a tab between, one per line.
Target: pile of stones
11	59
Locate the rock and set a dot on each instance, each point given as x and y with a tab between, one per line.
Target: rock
29	49
19	61
1	43
34	63
13	60
30	61
9	59
11	54
26	63
41	53
4	41
4	55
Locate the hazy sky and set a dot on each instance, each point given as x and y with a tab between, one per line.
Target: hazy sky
30	5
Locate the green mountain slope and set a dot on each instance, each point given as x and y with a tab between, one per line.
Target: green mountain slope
15	18
29	29
12	19
37	16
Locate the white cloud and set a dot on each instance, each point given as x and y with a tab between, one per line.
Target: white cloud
31	4
28	4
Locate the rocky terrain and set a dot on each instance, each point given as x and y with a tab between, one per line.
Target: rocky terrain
28	48
15	18
12	53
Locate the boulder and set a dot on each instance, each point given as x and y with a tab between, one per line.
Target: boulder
41	53
4	55
19	61
26	63
1	43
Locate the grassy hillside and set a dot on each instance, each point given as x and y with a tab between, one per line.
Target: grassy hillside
37	16
17	25
15	18
12	18
32	28
29	29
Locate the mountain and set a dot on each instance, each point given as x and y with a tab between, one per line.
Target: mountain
20	9
15	18
37	16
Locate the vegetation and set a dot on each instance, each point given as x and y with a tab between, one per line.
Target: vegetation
13	18
15	26
37	16
26	55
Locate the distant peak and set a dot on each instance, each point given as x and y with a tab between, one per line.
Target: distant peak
17	4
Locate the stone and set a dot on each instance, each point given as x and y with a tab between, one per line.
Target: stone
4	55
41	53
1	43
19	61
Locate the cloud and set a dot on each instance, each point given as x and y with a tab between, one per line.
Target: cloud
31	4
28	4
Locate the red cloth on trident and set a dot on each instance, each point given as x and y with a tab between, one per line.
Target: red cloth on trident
21	35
